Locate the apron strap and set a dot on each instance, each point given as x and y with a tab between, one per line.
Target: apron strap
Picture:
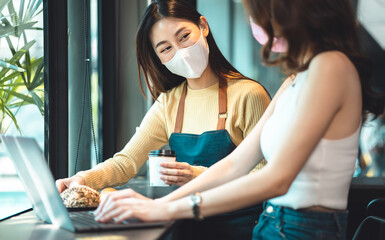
180	113
222	102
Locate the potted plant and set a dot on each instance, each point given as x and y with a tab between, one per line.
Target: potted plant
22	75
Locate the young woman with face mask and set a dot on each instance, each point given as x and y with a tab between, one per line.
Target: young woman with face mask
204	107
309	133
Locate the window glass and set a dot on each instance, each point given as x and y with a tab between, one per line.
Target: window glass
95	154
233	36
21	90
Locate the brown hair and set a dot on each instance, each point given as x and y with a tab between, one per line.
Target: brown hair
158	78
318	25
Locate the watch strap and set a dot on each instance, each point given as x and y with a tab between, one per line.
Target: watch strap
195	201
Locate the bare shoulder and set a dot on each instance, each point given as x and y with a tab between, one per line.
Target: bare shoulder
333	65
331	58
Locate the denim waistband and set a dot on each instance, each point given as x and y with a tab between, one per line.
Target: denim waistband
280	222
275	210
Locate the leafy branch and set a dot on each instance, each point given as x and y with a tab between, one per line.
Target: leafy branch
21	76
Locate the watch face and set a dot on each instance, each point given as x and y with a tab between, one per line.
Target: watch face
195	199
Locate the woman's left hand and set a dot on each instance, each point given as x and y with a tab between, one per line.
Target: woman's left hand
121	205
176	173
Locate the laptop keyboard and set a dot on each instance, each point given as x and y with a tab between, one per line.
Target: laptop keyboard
84	220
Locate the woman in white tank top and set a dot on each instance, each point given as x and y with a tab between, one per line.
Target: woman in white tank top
308	134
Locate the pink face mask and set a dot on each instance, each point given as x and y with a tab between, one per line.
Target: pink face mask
279	44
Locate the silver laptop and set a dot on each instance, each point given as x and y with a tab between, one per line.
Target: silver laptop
39	184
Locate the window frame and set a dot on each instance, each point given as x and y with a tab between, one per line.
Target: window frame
56	86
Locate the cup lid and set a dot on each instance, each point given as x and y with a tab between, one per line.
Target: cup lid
162	152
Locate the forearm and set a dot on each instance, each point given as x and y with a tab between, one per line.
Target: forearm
124	165
242	192
113	172
206	180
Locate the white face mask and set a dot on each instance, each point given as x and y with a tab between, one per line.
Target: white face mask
190	62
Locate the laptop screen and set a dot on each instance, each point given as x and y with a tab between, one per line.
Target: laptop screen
37	179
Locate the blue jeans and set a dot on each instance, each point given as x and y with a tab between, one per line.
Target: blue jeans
277	222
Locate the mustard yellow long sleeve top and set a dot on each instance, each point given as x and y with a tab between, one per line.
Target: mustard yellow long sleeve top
247	100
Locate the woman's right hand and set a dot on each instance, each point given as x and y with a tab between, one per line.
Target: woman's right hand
123	204
63	184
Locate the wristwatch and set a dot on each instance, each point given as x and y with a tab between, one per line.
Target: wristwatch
195	201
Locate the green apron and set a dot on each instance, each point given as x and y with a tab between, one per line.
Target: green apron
205	150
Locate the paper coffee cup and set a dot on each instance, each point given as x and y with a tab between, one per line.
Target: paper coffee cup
154	160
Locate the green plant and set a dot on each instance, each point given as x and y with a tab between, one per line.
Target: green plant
21	76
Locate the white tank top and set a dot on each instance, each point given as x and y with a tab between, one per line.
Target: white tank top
326	176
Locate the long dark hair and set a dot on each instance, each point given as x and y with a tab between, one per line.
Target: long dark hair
318	25
158	78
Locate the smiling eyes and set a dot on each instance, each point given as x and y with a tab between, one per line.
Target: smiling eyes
165	49
184	36
182	39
